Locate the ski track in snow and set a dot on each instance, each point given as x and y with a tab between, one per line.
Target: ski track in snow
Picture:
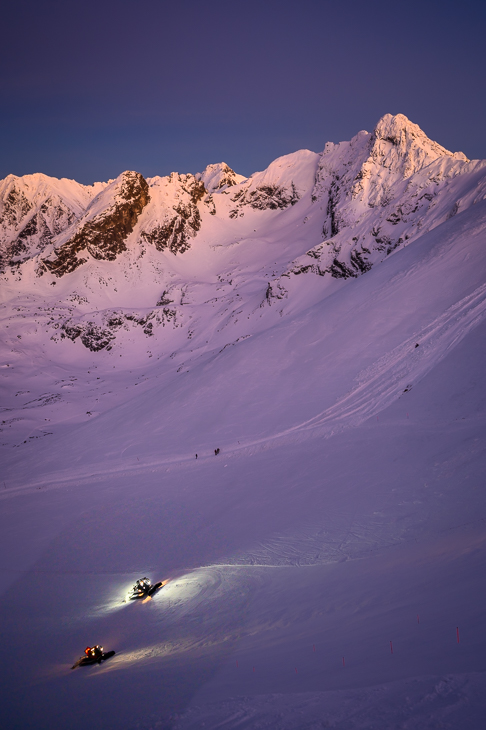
398	370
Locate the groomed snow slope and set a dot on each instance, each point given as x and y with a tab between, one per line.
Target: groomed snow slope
325	569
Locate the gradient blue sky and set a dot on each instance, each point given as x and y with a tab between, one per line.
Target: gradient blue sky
89	89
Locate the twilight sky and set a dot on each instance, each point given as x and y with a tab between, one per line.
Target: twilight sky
89	89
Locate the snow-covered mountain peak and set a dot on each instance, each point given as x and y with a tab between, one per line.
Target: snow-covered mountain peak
218	177
297	167
381	190
285	181
401	146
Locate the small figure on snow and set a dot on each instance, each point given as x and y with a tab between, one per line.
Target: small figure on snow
216	452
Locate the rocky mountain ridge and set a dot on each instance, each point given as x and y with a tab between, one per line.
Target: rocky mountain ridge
351	179
138	257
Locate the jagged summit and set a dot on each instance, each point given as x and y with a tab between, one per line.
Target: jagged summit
411	149
381	190
403	133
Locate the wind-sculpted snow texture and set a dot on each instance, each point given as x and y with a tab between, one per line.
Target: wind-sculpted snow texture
316	335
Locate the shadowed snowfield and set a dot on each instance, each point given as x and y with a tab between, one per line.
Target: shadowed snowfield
326	568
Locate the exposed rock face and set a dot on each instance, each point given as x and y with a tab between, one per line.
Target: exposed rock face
103	234
15	207
182	220
101	334
265	197
379	192
93	337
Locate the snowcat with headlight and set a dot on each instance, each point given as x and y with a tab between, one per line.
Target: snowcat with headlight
93	655
143	588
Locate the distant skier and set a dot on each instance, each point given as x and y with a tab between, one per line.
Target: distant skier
216	452
196	456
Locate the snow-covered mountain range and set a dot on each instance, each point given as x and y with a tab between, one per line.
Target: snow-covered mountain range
321	323
210	238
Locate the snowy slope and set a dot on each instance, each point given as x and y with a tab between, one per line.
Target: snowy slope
321	565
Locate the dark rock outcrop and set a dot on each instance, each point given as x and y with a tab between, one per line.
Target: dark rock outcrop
92	336
15	207
264	197
100	335
104	235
